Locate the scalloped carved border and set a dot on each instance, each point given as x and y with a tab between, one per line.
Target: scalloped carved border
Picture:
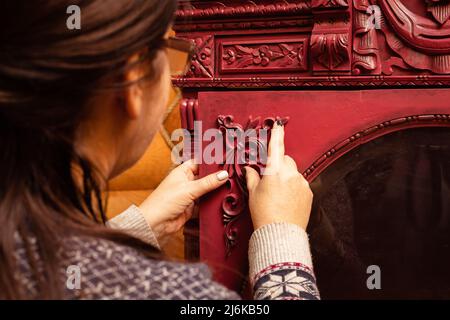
323	81
361	137
298	22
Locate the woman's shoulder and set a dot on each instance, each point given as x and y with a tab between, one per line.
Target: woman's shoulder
109	270
100	255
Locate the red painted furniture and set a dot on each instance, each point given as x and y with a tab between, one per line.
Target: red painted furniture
363	84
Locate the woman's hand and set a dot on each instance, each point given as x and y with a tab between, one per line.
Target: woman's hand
282	194
170	205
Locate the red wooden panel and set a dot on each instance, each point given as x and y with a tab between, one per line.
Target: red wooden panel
322	122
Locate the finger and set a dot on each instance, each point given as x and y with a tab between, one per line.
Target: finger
290	163
252	178
207	184
276	147
190	166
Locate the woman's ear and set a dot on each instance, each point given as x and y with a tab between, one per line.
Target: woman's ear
132	99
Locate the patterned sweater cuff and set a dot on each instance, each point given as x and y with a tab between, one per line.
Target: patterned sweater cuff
278	243
132	222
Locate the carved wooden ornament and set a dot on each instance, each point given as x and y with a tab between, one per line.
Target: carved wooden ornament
237	147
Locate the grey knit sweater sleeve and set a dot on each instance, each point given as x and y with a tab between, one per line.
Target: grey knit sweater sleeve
279	257
132	221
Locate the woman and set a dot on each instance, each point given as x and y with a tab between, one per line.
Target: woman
78	107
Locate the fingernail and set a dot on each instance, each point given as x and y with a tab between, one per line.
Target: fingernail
280	123
222	175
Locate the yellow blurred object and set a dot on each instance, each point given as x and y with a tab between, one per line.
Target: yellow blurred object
149	171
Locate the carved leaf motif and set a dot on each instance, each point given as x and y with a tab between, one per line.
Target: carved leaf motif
330	50
244	50
440	10
329	3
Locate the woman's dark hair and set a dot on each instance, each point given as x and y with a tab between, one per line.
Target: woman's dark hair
47	75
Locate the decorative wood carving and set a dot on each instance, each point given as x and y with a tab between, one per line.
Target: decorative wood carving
202	64
245	25
366	53
192	10
342	50
330	48
189	113
237	156
331	51
264	56
245	15
260	82
418	40
418	32
329	3
440	9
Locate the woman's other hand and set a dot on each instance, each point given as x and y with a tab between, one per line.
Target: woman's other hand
170	205
282	194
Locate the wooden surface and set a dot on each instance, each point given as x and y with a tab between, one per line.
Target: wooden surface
342	81
318	133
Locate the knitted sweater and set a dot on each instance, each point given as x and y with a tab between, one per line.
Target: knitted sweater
279	256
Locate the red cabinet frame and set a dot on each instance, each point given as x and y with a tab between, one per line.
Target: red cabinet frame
341	82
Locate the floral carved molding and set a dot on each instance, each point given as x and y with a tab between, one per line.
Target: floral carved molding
236	154
263	57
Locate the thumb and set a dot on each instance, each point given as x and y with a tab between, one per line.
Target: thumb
252	178
207	184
